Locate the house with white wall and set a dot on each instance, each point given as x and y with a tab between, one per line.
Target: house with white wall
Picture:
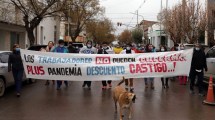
157	36
47	30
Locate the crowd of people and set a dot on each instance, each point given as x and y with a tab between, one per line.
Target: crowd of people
198	64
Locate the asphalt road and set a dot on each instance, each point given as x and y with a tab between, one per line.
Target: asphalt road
40	102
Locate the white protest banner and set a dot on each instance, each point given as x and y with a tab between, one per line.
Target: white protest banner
97	67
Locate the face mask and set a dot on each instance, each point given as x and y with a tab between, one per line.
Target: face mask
197	48
182	48
162	50
61	45
105	47
17	49
89	45
128	48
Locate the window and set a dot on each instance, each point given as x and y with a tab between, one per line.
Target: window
211	53
4	57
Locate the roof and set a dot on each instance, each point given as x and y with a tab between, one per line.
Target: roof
9	23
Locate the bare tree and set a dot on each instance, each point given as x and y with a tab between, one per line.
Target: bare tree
125	37
81	11
100	30
34	11
185	22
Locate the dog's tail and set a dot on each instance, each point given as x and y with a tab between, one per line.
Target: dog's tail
122	81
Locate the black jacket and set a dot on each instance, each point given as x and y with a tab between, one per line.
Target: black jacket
102	51
72	49
15	62
198	60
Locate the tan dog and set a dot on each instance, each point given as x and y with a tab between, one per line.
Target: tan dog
124	98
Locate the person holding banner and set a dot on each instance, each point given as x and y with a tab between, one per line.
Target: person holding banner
117	49
149	49
104	50
60	49
164	83
198	65
49	48
88	49
129	82
182	79
16	66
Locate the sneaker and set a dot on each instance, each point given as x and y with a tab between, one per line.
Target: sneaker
18	94
201	94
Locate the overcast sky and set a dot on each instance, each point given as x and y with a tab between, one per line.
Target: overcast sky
121	11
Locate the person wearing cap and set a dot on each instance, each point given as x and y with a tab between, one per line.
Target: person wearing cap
104	50
61	49
198	65
128	82
88	49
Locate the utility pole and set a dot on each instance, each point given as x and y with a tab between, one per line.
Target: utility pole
207	23
167	4
160	19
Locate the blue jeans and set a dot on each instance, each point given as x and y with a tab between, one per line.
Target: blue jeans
59	83
151	80
18	75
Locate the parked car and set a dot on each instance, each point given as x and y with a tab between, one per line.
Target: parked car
37	47
210	54
77	45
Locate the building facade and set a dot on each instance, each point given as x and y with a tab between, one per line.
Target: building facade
11	34
47	30
157	36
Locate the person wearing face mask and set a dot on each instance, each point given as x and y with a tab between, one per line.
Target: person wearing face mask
149	49
164	83
88	49
16	66
49	48
175	47
128	82
61	49
198	65
71	48
182	79
117	49
105	50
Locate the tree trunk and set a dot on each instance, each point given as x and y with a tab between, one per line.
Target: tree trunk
31	36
